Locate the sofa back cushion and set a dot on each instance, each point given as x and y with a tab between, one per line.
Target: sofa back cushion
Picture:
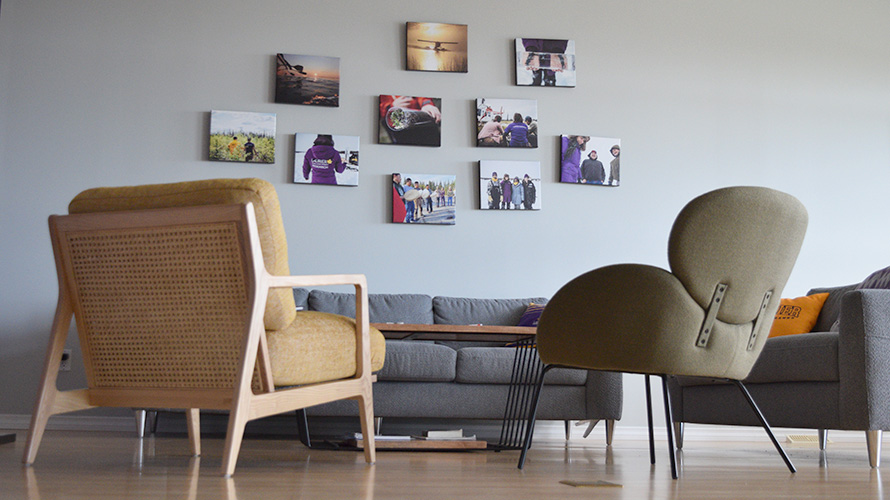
831	309
468	311
383	307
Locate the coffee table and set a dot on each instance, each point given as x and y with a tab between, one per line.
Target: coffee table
526	369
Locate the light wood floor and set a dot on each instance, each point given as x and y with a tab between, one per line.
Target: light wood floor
99	465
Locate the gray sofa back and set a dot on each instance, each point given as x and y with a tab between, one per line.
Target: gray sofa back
832	307
383	307
467	311
419	308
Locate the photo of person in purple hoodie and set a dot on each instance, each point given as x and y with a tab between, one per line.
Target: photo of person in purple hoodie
323	161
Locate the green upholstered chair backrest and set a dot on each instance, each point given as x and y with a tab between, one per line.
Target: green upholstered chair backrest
280	307
747	238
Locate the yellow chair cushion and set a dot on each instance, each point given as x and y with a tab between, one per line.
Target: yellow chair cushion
280	307
797	315
317	347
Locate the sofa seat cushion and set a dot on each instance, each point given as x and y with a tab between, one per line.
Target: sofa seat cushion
318	347
494	365
382	307
418	361
808	357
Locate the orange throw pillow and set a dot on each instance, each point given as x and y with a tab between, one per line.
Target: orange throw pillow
797	315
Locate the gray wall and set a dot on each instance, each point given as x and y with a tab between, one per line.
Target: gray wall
793	95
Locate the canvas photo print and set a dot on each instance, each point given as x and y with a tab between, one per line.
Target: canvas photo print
313	80
590	160
242	136
410	120
509	185
542	62
326	159
423	198
436	47
506	123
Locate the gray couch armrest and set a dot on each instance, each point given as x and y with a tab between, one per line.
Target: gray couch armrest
605	396
864	360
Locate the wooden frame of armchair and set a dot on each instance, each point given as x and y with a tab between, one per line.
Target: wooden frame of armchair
245	385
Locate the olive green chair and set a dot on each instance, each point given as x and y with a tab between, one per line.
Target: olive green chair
730	253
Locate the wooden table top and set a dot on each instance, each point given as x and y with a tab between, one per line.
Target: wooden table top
477	333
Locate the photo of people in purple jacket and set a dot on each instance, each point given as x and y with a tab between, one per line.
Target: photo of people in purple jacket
507	123
326	159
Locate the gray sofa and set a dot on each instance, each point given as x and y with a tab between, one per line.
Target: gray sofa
461	380
820	380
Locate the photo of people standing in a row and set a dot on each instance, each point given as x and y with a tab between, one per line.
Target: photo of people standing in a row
423	199
512	185
506	123
590	160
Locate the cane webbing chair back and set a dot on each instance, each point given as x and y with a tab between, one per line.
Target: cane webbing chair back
157	307
280	307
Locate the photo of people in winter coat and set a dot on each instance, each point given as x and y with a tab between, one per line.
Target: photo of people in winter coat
512	185
326	159
589	160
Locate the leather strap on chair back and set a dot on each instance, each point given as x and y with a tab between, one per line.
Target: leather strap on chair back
280	307
746	238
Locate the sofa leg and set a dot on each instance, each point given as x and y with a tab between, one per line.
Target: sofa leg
873	441
140	423
678	434
568	424
378	424
610	431
823	439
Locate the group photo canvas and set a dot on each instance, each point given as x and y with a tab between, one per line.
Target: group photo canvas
302	79
509	185
506	123
436	47
242	136
326	159
590	160
542	62
410	120
423	198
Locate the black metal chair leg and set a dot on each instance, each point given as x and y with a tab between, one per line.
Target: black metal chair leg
669	420
303	428
649	414
532	414
765	425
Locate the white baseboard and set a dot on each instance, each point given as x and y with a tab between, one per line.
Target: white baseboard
543	429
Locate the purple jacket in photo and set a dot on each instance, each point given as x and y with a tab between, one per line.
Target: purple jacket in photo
322	161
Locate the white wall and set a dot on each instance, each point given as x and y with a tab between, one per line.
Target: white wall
793	95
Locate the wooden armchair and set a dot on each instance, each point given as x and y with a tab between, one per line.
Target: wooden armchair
175	308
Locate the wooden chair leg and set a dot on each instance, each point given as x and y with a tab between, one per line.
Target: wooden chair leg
234	436
48	393
366	414
193	419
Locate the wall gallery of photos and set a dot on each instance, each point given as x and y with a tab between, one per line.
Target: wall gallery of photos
324	157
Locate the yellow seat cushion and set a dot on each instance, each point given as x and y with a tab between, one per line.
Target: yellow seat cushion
318	347
797	315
